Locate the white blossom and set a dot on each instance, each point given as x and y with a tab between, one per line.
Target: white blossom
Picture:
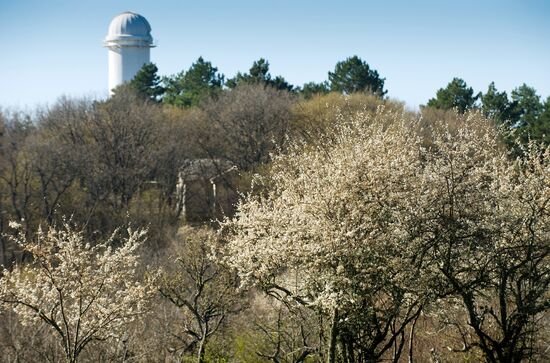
84	292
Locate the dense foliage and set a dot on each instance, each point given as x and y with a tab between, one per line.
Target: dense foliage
147	82
83	292
375	224
355	75
187	89
456	94
364	232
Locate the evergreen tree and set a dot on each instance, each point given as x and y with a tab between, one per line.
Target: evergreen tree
355	75
260	71
259	74
545	115
538	129
528	104
456	94
495	105
187	89
311	89
147	83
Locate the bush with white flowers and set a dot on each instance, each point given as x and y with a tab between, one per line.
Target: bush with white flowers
83	292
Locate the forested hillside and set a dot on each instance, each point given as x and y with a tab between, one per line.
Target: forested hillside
196	217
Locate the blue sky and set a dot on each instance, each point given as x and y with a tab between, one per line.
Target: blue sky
53	48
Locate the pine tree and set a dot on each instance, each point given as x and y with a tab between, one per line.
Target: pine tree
495	105
147	83
259	74
311	89
187	89
457	94
355	75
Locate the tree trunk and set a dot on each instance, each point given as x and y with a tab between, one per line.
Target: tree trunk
343	347
202	348
411	339
332	338
351	353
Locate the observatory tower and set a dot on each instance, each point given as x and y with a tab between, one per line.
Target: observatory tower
129	41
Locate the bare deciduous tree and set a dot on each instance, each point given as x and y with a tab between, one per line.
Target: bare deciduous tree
245	124
206	291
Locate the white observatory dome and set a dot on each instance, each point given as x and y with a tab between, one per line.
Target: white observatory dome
129	41
129	29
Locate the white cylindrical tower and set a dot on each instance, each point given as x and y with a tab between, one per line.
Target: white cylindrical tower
129	41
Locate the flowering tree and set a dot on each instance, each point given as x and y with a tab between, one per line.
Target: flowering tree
383	215
83	292
484	232
329	233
